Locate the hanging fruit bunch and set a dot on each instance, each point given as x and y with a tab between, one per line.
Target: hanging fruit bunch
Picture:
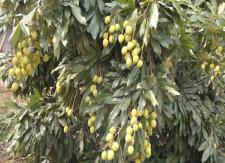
26	59
130	51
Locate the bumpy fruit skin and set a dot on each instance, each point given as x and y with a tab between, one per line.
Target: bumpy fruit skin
129	130
139	63
11	72
129	30
15	60
58	89
128	62
107	19
112	29
33	35
69	112
14	87
137	161
66	129
117	26
212	78
128	138
121	38
109	137
127	38
212	65
146	114
106	35
95	92
90	122
127	56
148	152
136	51
104	155
135	127
18	72
111	39
93	87
105	43
124	50
95	78
203	66
153	123
46	58
99	81
130	45
92	129
135	59
133	120
87	99
115	146
125	23
217	69
112	130
130	149
93	118
140	126
134	112
153	115
110	155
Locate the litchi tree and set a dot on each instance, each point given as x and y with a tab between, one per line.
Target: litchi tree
116	81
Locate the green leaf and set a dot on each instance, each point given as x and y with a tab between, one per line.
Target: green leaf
152	98
172	91
77	13
154	16
142	27
156	47
206	154
15	35
203	146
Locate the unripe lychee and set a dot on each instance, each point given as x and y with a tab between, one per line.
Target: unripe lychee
66	129
46	58
133	120
139	63
107	19
115	146
128	138
33	35
112	29
117	26
135	59
129	30
105	43
112	130
95	92
129	130
69	112
93	87
128	62
104	155
153	115
106	35
124	50
130	149
14	87
92	129
111	39
153	123
125	23
87	99
110	154
109	137
11	72
127	38
95	78
99	81
130	45
121	38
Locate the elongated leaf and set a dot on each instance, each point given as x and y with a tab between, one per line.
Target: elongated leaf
154	16
77	13
172	91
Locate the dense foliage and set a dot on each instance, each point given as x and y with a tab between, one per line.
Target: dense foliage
120	80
